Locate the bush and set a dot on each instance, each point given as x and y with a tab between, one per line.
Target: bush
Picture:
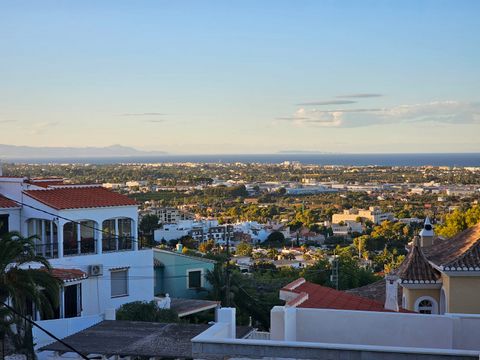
146	311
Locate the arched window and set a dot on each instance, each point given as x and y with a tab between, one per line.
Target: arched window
426	305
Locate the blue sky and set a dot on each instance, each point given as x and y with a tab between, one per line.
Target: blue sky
242	76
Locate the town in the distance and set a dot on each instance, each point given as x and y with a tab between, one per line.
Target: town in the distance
240	260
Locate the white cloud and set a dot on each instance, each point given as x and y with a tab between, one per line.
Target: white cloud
455	112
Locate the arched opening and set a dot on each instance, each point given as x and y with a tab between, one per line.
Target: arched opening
117	234
426	305
79	237
46	237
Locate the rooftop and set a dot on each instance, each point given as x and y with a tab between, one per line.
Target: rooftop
6	203
135	338
462	252
316	296
67	275
79	197
416	268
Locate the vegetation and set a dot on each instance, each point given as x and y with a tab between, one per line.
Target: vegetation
146	311
458	221
23	287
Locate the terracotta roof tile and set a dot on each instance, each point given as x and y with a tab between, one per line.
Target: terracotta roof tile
322	297
79	197
462	252
6	203
375	291
67	275
416	268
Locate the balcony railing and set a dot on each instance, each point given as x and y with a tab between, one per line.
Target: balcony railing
48	250
117	243
85	246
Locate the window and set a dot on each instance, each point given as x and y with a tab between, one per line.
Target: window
194	279
426	305
119	282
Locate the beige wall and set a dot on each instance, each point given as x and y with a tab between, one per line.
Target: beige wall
463	294
413	294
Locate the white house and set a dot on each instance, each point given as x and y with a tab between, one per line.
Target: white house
89	235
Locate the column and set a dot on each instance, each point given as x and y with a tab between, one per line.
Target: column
99	237
116	234
43	237
135	235
52	248
79	239
60	224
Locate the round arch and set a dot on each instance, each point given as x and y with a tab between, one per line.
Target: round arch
426	305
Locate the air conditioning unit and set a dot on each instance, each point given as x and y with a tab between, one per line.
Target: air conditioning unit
95	270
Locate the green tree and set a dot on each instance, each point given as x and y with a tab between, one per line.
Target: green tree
146	311
244	249
147	226
276	238
21	284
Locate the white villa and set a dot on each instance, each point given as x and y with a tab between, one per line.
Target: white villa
89	235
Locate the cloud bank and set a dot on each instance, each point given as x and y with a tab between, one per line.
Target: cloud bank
453	112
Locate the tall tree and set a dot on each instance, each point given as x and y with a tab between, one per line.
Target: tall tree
21	285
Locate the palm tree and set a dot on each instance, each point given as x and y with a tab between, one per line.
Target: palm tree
25	278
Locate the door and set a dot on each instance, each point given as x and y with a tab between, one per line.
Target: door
72	300
3	224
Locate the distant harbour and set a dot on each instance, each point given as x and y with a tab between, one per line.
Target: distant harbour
447	159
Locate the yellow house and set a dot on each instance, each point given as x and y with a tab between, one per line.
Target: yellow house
442	276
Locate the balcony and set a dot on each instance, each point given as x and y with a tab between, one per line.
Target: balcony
117	243
83	247
48	250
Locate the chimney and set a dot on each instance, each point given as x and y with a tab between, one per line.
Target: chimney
426	234
391	294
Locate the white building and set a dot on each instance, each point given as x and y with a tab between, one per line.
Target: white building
89	235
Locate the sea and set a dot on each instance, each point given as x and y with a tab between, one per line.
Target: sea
410	159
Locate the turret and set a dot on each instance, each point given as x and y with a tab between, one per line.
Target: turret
427	234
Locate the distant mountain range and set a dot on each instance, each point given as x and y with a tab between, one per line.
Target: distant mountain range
32	152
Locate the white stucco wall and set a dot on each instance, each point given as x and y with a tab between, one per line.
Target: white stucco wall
376	328
13	218
96	290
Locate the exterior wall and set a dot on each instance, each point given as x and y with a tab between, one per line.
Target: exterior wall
413	294
375	328
464	294
96	290
175	274
335	334
13	218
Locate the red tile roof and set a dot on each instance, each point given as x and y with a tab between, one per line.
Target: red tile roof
322	297
7	203
67	275
79	197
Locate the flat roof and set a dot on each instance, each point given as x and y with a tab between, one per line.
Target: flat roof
136	338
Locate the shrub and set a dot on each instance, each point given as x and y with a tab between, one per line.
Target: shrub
146	311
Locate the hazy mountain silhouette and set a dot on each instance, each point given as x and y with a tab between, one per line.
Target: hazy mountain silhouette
13	151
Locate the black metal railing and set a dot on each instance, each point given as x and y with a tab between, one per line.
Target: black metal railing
85	246
117	243
48	250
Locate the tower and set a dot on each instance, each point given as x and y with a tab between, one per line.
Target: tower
427	233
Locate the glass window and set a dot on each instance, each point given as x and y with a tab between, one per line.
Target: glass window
194	279
70	241
119	283
125	227
425	307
